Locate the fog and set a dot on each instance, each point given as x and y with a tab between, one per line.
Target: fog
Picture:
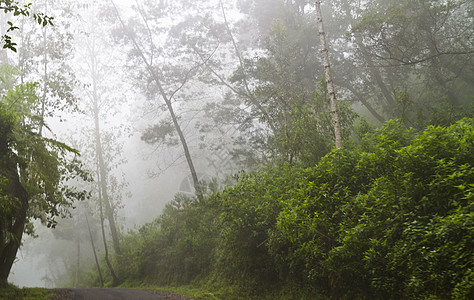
165	97
145	177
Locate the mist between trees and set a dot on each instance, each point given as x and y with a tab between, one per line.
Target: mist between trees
254	149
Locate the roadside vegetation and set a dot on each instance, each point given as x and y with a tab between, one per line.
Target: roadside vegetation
341	166
14	293
389	214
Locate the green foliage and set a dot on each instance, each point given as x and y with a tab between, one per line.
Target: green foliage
280	106
445	114
15	293
14	7
163	133
389	216
175	248
411	238
44	163
249	211
34	173
419	67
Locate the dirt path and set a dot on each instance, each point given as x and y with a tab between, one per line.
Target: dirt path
115	294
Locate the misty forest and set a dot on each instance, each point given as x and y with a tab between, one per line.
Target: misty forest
239	149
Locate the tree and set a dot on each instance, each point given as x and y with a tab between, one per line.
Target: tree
34	171
153	72
45	57
327	75
275	92
101	141
102	169
418	54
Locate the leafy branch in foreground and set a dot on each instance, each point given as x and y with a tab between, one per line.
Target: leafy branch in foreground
9	6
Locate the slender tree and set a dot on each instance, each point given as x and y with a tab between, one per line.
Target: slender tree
327	76
156	77
95	71
101	165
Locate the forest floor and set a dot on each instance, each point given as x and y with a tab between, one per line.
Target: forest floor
115	293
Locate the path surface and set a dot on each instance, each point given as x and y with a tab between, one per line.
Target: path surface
115	294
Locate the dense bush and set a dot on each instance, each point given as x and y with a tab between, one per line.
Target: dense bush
387	217
174	249
391	218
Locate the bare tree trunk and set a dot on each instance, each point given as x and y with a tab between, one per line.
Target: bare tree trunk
327	75
103	186
102	171
106	248
101	280
156	78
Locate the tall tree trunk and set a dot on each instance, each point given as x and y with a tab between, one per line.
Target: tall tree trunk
109	211
102	170
327	75
106	248
17	225
157	79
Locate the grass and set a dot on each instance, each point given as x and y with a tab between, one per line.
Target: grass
219	291
193	292
14	293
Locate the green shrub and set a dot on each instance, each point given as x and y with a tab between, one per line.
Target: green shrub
388	217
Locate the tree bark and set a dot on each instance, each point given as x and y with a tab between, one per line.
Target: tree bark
17	224
106	248
103	185
327	76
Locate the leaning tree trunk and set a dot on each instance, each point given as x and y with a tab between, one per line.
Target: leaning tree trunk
327	76
155	76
